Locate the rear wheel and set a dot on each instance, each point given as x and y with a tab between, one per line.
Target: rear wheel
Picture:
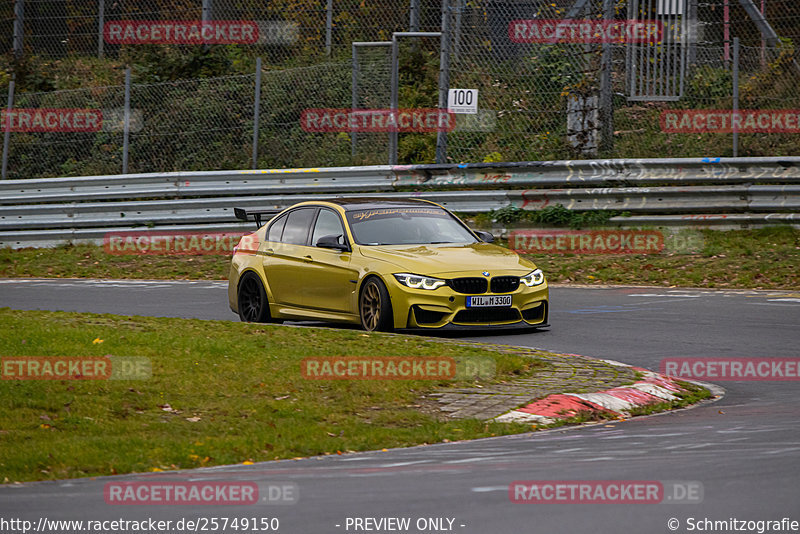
374	306
252	300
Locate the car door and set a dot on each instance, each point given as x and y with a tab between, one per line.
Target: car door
284	257
330	279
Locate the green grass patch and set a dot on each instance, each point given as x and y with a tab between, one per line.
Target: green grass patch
220	393
765	258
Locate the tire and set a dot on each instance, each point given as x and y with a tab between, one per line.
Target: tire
375	307
252	300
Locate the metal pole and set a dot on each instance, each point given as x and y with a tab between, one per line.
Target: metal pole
395	97
444	80
206	17
19	27
692	32
256	111
413	23
735	94
7	133
457	32
763	40
127	121
606	89
354	101
101	15
726	32
328	28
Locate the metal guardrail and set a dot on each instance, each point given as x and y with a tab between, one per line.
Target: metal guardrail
698	192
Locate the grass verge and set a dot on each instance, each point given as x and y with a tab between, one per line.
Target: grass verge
765	258
753	259
220	393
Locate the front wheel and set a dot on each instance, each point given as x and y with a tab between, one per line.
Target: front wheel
252	300
375	308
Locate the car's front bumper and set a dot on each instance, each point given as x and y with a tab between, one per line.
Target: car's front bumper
445	309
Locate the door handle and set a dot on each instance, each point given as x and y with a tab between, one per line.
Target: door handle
308	259
269	251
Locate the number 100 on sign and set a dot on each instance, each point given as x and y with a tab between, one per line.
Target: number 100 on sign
462	101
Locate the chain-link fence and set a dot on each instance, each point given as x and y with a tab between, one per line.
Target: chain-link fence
539	98
287	30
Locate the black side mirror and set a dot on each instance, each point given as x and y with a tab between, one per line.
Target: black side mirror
486	237
331	241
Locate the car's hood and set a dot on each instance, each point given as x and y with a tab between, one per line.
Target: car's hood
438	260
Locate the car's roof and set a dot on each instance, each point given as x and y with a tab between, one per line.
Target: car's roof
367	203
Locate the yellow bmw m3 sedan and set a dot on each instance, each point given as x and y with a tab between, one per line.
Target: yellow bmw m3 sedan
384	264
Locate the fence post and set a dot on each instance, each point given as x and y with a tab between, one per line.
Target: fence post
101	15
19	27
444	80
395	98
692	33
606	89
328	27
7	133
735	95
256	111
205	16
413	22
460	7
127	121
354	102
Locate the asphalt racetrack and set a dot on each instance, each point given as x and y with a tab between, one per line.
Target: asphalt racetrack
742	452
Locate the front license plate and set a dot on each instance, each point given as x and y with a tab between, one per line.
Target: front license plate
489	302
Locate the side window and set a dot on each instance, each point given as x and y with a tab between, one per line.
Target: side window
328	223
276	229
297	225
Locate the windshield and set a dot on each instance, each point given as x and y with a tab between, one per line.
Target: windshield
407	226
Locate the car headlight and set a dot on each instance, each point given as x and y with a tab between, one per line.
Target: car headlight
535	278
415	281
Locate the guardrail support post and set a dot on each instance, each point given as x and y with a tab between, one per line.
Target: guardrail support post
7	133
256	111
126	131
735	94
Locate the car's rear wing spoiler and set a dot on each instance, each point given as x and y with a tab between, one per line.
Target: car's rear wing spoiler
255	215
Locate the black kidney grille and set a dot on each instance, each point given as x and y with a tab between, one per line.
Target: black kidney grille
505	284
470	286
